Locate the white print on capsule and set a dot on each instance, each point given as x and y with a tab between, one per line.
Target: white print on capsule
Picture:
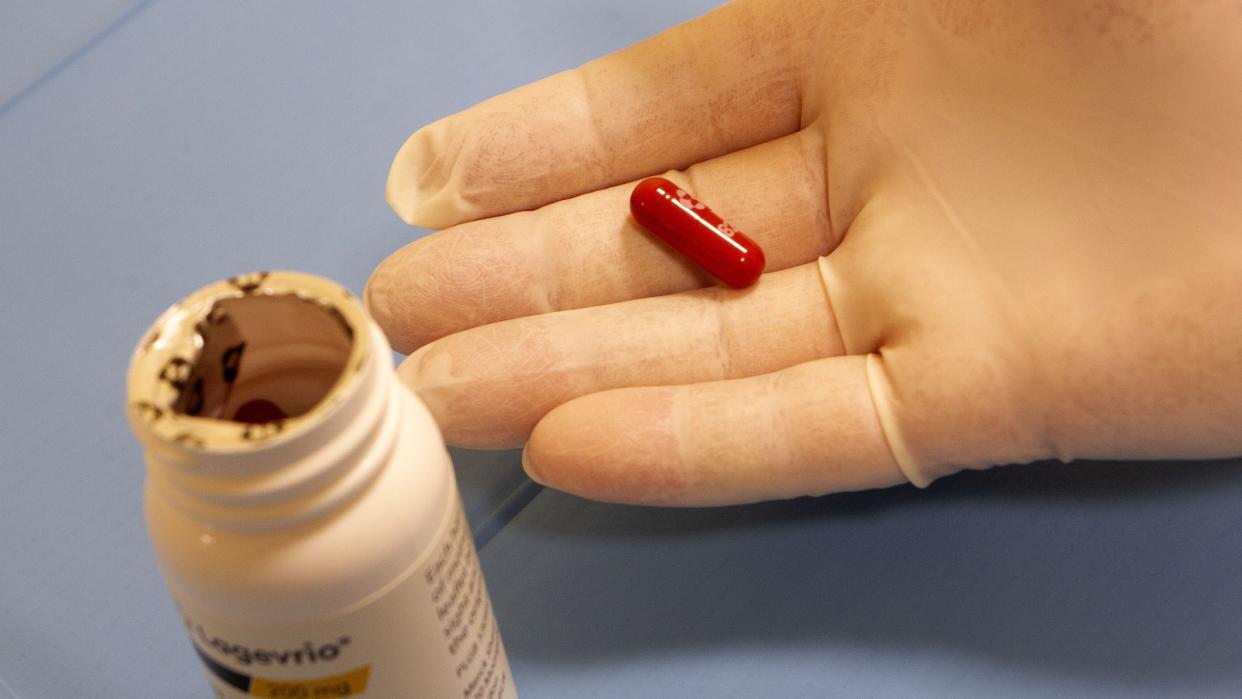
688	201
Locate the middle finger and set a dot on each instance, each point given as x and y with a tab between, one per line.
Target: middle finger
588	251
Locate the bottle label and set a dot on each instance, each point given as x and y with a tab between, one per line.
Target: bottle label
432	634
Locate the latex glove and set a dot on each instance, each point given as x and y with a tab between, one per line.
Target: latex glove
1030	217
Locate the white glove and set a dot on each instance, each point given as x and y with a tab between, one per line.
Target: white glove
996	232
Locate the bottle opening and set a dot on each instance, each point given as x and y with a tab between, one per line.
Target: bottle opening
265	358
248	361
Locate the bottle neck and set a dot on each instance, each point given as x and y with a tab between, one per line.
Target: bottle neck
268	409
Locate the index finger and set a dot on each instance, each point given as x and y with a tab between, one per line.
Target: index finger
725	81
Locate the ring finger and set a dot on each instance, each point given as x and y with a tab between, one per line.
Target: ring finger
488	386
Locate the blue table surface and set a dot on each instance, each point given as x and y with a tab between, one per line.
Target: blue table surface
147	148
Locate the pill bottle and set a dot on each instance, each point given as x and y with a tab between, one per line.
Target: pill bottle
301	502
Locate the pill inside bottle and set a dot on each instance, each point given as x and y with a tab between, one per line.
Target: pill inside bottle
265	358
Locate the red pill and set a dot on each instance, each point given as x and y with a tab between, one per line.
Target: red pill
696	232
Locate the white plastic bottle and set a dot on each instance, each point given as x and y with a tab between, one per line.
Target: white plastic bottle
302	504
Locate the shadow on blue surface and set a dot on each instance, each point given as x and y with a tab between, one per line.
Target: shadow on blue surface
493	488
1116	572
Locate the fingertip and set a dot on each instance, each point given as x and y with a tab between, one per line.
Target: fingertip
377	296
423	185
409	370
559	448
403	188
473	408
542	447
531	469
612	446
417	376
369	298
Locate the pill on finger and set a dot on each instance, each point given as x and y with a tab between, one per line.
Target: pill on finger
695	231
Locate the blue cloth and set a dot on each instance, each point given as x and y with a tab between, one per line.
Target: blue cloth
147	148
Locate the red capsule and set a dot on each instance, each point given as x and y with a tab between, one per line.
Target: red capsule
696	232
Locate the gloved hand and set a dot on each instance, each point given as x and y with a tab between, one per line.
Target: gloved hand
996	232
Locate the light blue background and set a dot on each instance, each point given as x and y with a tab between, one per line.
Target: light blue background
149	148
